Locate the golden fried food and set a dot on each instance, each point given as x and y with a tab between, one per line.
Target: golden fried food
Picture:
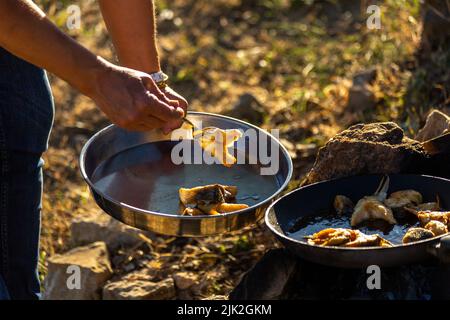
417	234
213	193
347	238
427	216
215	142
209	200
230	207
437	227
191	212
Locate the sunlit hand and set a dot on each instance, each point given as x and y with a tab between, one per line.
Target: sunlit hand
175	96
131	100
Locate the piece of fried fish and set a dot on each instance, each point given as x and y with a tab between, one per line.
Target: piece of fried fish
347	238
209	200
216	142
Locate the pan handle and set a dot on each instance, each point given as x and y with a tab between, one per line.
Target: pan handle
441	250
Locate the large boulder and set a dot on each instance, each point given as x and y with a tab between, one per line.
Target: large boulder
367	149
139	289
437	124
78	274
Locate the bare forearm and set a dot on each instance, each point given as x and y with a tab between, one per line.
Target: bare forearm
131	24
27	33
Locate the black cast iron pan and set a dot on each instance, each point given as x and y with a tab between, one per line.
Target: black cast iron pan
310	209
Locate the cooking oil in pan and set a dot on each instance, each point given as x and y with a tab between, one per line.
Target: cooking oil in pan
145	177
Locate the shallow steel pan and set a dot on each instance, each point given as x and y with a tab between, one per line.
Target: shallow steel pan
112	141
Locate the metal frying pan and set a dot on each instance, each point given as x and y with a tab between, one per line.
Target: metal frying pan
312	203
133	178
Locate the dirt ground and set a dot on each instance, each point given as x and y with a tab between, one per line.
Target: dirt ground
296	57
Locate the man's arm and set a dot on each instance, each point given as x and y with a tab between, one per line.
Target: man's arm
25	31
132	26
120	92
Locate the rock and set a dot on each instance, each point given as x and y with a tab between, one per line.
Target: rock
95	270
437	124
365	77
101	227
268	278
360	95
139	290
248	108
184	280
374	148
360	98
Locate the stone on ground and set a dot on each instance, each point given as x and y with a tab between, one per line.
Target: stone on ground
101	227
139	290
248	108
374	148
63	281
360	95
184	280
437	124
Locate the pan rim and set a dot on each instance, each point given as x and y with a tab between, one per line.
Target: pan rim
395	246
269	199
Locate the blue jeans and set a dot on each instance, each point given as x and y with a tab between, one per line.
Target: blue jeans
26	117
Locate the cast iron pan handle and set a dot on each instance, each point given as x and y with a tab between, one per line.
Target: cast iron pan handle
442	250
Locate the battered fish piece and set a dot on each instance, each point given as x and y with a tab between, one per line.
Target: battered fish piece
400	199
216	142
209	200
347	238
365	240
332	237
437	227
427	216
417	234
192	212
230	207
372	207
213	193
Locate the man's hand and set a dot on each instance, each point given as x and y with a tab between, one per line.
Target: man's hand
132	26
131	100
173	95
